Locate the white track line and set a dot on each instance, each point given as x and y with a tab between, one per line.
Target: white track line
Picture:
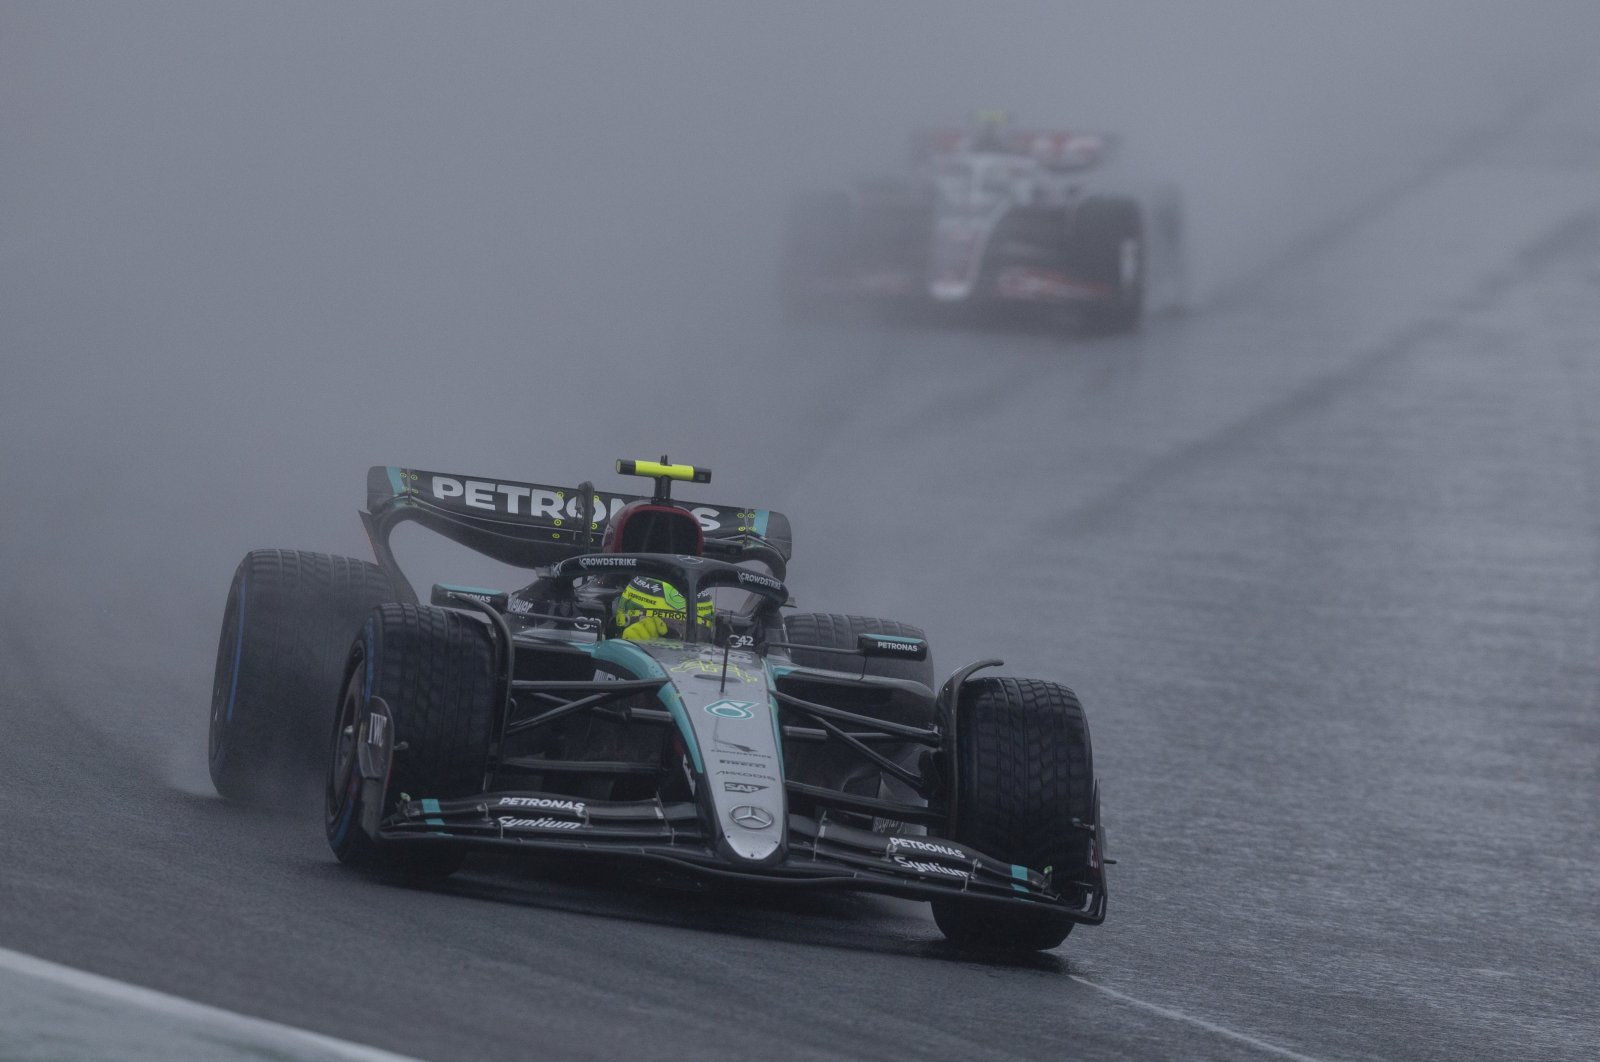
285	1037
1208	1026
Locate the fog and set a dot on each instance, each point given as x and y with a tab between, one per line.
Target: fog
248	250
1318	553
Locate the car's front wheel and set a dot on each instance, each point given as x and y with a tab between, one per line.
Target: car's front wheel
435	671
1024	794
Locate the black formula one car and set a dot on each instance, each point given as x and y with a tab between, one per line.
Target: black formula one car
726	735
992	217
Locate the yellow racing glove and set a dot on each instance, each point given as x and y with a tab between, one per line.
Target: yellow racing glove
645	628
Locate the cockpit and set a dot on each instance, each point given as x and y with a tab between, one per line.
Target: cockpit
977	183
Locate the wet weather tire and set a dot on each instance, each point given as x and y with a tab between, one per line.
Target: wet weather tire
831	765
436	671
1024	773
1109	238
287	626
831	631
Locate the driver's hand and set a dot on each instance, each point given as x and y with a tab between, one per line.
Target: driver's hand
645	628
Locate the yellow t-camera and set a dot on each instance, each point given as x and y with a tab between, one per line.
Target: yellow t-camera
657	470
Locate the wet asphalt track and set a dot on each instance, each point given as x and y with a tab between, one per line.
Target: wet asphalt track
1323	561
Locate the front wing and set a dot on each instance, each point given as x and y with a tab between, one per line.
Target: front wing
820	853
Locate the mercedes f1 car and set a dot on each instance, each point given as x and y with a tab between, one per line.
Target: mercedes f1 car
992	217
736	738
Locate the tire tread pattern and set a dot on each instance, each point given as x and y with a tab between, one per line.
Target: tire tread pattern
301	611
1102	224
835	631
436	669
1026	771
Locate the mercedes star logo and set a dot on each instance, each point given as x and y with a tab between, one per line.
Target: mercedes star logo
752	818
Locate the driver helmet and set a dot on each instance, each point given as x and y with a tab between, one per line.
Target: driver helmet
990	134
650	608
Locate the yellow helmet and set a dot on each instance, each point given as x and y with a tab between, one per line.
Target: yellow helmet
644	597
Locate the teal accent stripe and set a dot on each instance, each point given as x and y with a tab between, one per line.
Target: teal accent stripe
669	696
470	589
897	638
430	808
780	670
1021	874
777	727
618	651
396	481
762	516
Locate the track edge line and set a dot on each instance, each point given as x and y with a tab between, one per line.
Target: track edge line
1209	1026
151	1000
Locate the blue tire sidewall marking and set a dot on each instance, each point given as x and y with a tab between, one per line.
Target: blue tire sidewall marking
220	757
341	827
238	649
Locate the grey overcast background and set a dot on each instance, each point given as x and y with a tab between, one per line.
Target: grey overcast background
1320	553
251	249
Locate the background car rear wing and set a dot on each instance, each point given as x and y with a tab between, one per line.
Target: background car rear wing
531	524
1057	149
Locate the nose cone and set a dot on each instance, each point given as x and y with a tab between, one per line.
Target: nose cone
753	851
957	255
725	701
753	832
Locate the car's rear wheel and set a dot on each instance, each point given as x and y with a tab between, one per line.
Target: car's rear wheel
435	671
1024	774
832	631
832	765
288	623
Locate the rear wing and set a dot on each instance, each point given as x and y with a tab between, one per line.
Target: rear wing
1059	149
529	525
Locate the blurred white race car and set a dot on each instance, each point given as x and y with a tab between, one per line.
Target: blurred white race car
992	215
